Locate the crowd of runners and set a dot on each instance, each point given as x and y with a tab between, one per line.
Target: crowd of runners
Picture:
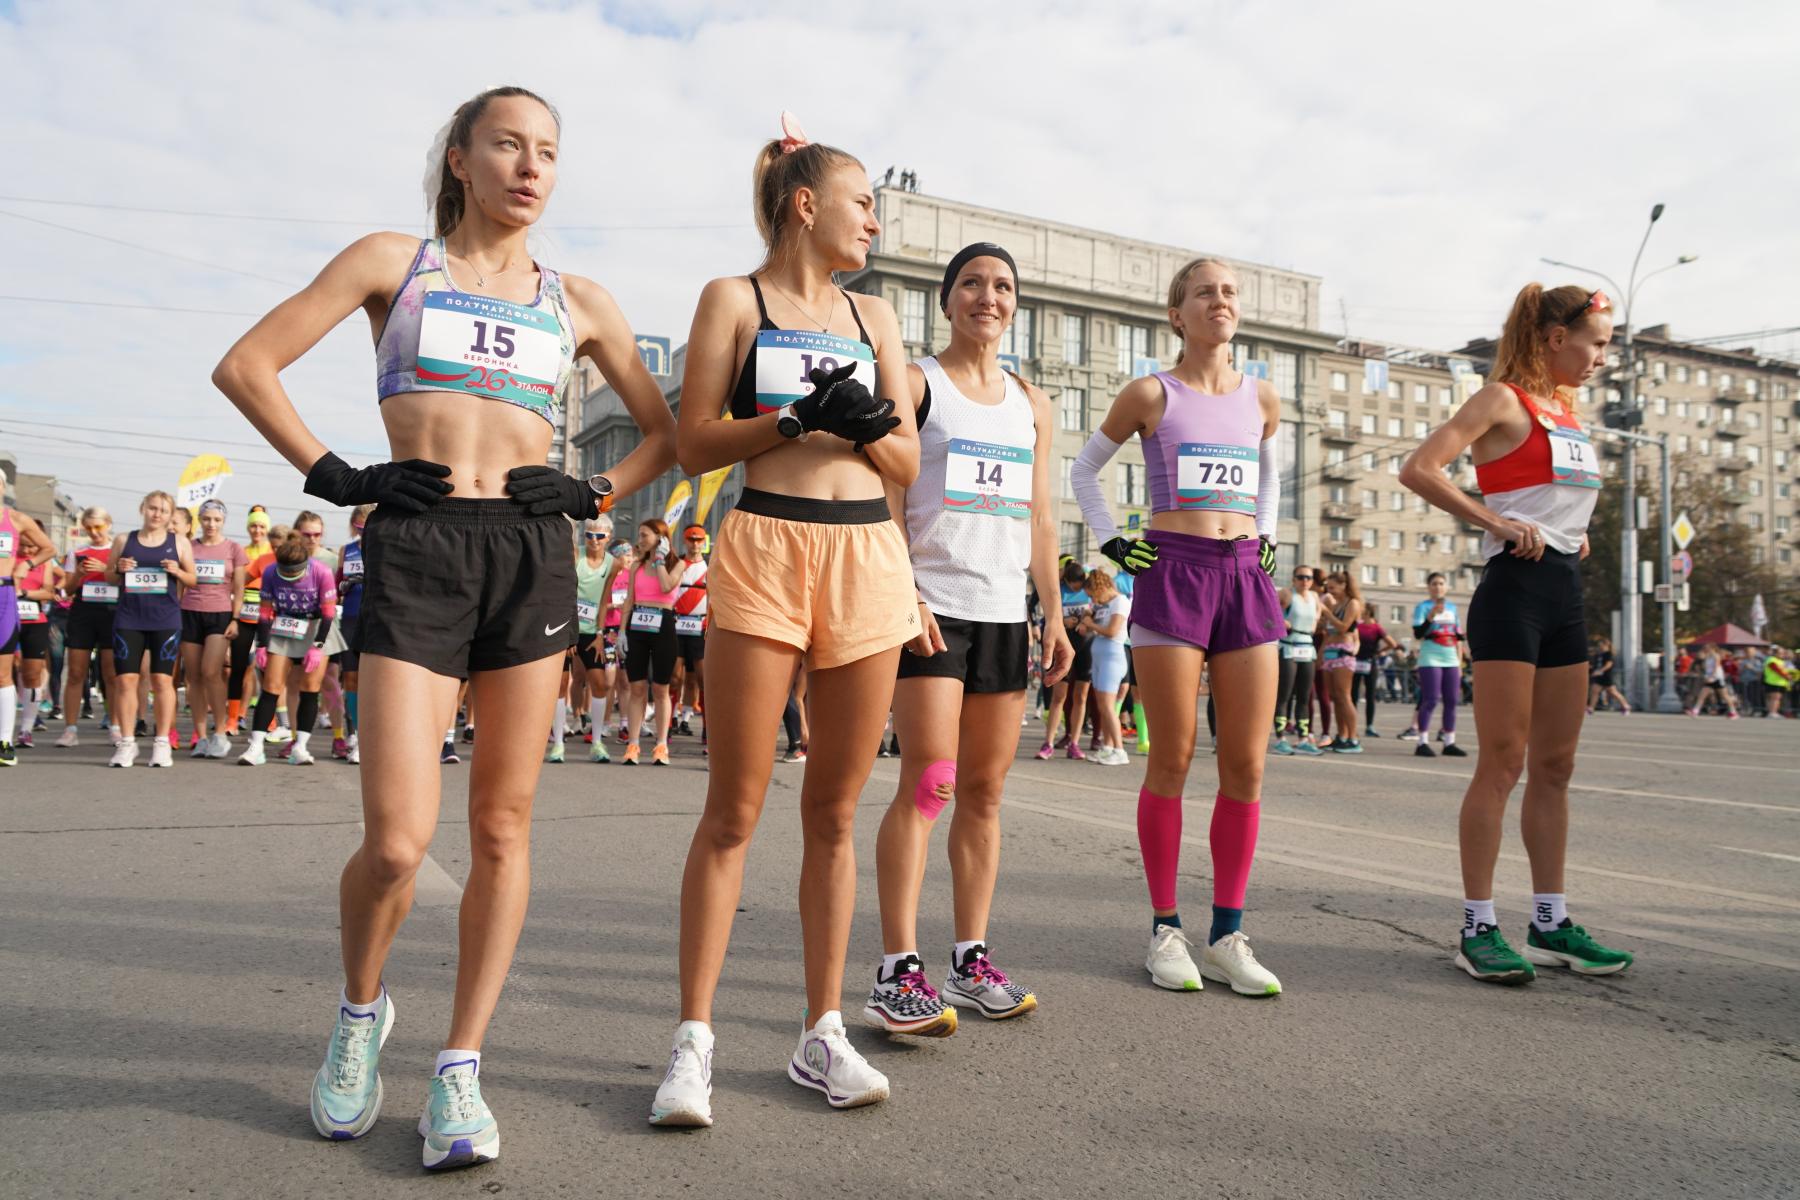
888	584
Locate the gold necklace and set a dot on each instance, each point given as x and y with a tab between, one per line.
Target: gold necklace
825	326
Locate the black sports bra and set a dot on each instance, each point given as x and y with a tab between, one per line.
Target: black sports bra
743	396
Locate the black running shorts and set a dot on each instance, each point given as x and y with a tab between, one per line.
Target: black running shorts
196	627
690	648
1529	612
34	642
988	656
90	626
130	646
467	585
650	653
1082	669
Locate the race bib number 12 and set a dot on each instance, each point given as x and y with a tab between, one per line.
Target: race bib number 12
981	477
489	347
1572	459
786	359
1217	478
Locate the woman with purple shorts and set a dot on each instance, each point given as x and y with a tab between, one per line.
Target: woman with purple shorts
1203	599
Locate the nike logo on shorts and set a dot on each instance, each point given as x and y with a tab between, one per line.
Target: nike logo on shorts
549	632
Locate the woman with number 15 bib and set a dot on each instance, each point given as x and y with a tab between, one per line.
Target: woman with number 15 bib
1203	599
1539	478
810	571
466	566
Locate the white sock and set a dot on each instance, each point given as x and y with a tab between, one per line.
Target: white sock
9	704
1548	910
962	948
159	741
597	716
450	734
257	738
562	718
301	737
890	961
361	1010
450	1058
1478	912
1450	738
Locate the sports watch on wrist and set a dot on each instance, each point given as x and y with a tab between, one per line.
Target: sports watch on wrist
787	424
603	488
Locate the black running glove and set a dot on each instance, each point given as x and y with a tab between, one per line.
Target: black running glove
1266	557
841	405
1132	554
545	490
411	486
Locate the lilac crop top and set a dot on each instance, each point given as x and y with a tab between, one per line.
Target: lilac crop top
1229	426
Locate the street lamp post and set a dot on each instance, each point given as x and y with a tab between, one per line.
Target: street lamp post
1630	609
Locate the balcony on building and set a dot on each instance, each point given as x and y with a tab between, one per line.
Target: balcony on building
1737	496
1729	429
1736	462
1338	435
1729	395
1348	548
1343	472
1342	510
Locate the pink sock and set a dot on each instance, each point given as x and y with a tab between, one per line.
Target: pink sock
1233	836
1159	840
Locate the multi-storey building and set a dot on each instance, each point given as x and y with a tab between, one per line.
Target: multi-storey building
41	497
1731	413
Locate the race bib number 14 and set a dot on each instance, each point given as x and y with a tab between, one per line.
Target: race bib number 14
489	347
1217	478
981	477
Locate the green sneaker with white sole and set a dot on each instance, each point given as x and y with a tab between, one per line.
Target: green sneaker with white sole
1487	957
1568	945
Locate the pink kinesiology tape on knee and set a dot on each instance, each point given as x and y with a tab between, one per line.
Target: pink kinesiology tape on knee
1233	837
1159	841
925	796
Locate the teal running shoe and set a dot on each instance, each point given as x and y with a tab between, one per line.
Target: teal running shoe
1568	945
458	1129
346	1093
1282	747
1487	957
1308	747
554	753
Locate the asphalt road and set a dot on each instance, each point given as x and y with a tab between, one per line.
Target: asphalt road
168	960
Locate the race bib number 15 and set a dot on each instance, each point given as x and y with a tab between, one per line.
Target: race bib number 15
489	347
1217	478
981	477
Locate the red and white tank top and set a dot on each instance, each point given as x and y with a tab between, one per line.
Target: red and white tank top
1550	480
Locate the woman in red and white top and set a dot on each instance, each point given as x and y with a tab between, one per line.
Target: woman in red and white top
1539	477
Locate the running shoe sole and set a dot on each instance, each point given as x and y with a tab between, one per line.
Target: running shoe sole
1028	1004
940	1026
680	1118
366	1119
807	1079
463	1151
1543	957
1218	976
1505	978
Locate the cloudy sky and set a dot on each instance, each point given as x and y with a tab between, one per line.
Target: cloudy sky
1420	158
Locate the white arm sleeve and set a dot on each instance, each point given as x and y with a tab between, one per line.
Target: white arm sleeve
1084	478
1268	487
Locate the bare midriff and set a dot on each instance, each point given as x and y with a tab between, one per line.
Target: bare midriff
479	440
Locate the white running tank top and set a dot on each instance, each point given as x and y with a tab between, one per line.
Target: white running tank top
968	514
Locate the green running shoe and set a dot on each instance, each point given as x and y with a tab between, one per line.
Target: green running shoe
1568	945
598	753
346	1093
1487	957
457	1128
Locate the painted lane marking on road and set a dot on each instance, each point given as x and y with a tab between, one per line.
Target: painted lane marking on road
1711	764
1450	847
433	887
1735	750
1704	945
1793	858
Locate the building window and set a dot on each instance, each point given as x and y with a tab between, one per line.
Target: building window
1074	410
1724	381
1781	460
1753	453
1749	387
1340	534
1681	443
1371	538
915	320
1072	538
1446	397
1754	520
1020	337
1703	412
1130	486
1393	389
1396	540
1369	461
1068	480
1681	373
1681	409
1287	443
1421	429
1397	576
1340	382
1368	422
1700	376
1075	339
1781	523
1662	406
1134	343
1706	445
1394	464
1336	419
1397	501
1395	427
1368	573
1421	394
1370	498
1659	370
1425	541
1284	373
1396	614
1756	487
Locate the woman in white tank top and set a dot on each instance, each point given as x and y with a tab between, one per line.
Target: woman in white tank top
977	528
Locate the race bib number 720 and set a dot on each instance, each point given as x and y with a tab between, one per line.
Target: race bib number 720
1218	478
981	477
786	359
489	347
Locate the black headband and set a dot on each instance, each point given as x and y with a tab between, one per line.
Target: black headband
974	250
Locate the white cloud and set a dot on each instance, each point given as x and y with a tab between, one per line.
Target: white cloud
1419	158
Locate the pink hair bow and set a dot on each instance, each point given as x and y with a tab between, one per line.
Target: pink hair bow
792	136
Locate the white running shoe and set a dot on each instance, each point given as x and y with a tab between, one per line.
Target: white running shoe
685	1097
1230	960
281	734
219	746
826	1062
354	758
1169	964
202	748
125	753
253	755
68	738
300	756
161	755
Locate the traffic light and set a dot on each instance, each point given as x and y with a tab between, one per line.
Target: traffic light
1616	416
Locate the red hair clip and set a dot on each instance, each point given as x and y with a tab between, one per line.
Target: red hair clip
792	136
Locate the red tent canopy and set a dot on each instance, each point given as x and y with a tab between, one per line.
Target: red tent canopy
1728	635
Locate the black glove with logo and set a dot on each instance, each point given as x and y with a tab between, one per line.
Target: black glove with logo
1266	557
545	490
412	486
1132	554
841	405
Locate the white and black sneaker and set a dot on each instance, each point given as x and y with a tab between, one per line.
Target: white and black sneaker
978	984
905	1003
826	1062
